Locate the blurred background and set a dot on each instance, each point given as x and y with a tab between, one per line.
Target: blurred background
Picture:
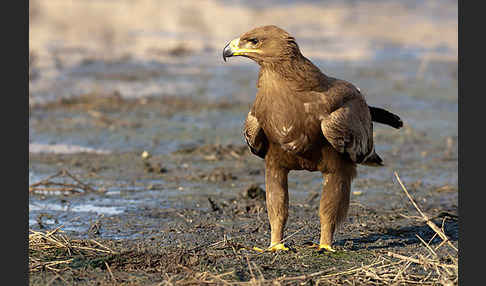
156	39
148	48
117	76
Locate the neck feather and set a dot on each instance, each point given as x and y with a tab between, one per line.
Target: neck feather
297	72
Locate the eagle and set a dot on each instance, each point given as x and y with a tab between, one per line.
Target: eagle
303	119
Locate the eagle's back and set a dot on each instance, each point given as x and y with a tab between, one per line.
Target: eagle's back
302	121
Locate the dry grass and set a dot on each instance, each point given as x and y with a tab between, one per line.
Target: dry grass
390	269
60	249
430	265
383	271
48	185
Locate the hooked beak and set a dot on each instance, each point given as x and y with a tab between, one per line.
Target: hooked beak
233	49
227	52
230	48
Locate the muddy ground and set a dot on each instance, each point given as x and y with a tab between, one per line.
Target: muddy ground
136	149
201	208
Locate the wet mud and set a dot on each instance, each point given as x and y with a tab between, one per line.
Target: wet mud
139	148
201	208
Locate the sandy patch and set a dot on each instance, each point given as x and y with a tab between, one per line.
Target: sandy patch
63	149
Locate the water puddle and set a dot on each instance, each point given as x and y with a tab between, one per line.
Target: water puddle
417	81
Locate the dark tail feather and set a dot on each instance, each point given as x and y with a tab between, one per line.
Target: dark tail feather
374	160
380	115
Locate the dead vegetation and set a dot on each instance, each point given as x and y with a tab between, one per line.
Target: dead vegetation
109	30
432	264
215	175
99	105
60	250
49	185
216	152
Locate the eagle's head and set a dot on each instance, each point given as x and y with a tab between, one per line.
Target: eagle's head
264	44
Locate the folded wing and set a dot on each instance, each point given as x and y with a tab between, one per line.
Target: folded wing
254	136
349	130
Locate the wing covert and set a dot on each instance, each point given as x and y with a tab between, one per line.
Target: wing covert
349	129
254	136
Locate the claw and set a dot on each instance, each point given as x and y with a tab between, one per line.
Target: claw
320	247
276	247
258	249
326	247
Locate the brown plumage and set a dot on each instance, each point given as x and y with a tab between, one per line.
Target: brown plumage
303	119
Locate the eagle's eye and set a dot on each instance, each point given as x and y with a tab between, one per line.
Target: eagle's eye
253	41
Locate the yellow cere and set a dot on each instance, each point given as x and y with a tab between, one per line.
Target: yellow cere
237	51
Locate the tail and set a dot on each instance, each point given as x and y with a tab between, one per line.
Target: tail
374	160
380	115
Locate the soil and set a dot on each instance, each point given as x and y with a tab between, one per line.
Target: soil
141	120
201	209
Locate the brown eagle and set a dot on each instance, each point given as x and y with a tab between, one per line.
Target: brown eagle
303	119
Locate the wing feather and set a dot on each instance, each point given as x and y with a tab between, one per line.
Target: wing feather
349	129
254	136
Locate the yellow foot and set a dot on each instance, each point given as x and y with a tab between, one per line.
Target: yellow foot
320	247
326	247
276	247
258	249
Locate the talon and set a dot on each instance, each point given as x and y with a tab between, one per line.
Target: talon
258	249
320	247
276	247
326	247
